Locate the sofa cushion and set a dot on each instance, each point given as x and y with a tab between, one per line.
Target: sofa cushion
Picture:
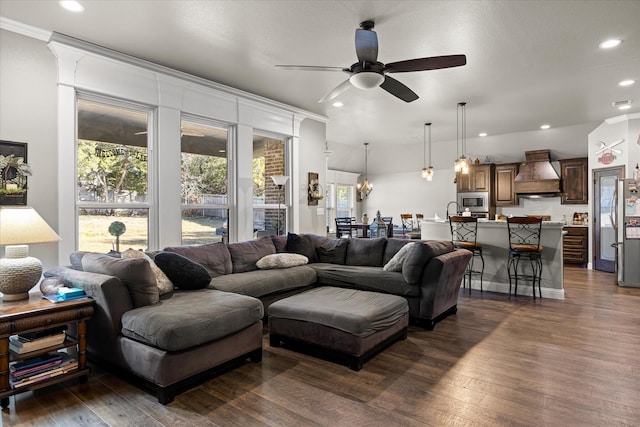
182	271
331	250
395	263
215	257
365	278
164	283
303	245
189	319
280	242
75	258
135	274
392	247
245	255
264	282
283	260
366	252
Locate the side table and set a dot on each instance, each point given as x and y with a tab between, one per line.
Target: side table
38	314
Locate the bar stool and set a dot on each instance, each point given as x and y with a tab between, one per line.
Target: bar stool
524	245
464	232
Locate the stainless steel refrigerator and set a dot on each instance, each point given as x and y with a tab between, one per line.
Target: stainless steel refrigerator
626	222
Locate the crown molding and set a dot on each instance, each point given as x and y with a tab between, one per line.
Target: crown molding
24	29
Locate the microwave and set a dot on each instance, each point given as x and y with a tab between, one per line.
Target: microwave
475	202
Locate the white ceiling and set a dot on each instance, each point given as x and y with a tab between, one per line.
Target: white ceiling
528	62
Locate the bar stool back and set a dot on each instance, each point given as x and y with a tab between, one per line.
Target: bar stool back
464	232
524	245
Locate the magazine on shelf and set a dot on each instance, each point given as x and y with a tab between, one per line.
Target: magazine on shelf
60	363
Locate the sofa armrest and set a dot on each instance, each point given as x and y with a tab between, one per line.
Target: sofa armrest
441	282
112	300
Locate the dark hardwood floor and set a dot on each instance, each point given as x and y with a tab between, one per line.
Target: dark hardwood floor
499	361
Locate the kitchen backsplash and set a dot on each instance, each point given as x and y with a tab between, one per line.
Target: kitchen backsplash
544	206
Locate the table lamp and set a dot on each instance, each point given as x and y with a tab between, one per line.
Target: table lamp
20	227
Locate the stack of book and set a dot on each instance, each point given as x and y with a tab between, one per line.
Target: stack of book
41	368
33	341
65	294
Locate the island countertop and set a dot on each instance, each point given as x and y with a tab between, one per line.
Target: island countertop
494	238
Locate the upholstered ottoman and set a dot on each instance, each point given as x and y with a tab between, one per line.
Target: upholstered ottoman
339	323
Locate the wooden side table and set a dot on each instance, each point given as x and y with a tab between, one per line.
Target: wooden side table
38	314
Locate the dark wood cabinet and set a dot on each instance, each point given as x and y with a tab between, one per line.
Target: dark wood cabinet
479	178
574	245
505	193
575	184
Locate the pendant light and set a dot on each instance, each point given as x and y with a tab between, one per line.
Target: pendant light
365	187
427	172
462	163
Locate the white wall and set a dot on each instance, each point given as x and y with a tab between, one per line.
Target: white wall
28	114
312	159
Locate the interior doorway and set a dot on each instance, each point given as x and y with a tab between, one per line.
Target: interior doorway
605	182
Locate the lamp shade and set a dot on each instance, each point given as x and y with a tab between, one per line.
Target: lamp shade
280	180
24	226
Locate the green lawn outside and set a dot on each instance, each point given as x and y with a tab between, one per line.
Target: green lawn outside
95	237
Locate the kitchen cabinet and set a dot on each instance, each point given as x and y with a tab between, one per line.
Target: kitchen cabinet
574	245
479	178
505	175
574	178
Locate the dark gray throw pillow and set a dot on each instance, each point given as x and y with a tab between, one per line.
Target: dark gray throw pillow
333	251
303	245
184	273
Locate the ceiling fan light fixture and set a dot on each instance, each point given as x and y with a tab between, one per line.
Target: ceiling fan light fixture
366	79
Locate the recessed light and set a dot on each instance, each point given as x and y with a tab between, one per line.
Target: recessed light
545	126
626	82
72	5
624	107
337	104
482	134
608	44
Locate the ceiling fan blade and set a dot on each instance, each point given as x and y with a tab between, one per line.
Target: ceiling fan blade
311	68
424	64
395	88
336	91
366	45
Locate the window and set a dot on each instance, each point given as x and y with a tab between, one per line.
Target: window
204	182
112	200
270	203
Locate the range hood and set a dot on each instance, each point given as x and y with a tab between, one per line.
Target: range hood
536	176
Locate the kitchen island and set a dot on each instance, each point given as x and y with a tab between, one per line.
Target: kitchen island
495	249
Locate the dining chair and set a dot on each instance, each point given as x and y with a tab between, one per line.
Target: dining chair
344	226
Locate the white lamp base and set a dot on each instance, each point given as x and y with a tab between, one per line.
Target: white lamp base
18	273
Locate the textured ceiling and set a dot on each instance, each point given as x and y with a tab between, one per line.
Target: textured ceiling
528	62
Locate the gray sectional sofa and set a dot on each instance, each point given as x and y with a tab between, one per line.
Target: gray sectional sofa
213	316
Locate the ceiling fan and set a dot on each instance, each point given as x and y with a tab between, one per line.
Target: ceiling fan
368	73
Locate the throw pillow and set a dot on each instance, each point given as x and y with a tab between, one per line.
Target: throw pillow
395	263
184	273
282	260
215	257
76	259
414	263
134	273
333	251
164	284
245	255
303	245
